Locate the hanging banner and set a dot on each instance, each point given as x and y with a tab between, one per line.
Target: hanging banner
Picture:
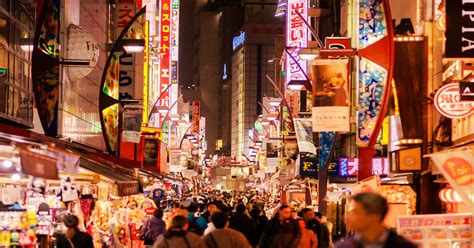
331	95
309	167
296	38
304	135
326	144
459	32
132	123
196	116
457	166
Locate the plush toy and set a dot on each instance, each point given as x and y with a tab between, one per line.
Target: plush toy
37	186
69	190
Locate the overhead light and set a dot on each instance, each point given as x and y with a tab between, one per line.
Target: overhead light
297	85
16	177
408	142
174	117
182	123
272	116
270	60
274	102
133	46
308	53
265	122
7	163
191	137
26	44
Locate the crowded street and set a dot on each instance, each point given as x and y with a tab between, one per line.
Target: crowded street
237	123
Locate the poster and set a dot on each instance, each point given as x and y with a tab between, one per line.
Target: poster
290	153
150	153
272	149
304	135
132	123
331	95
430	231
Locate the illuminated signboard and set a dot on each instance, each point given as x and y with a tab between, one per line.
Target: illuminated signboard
196	114
238	40
448	102
349	167
296	38
165	13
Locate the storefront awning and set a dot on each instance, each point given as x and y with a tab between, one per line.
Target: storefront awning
126	185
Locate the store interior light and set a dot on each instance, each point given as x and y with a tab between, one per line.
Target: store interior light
7	163
308	53
161	109
16	177
408	38
298	85
265	122
408	142
274	102
174	117
272	116
281	8
182	123
133	46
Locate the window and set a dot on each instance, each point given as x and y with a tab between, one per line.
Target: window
16	38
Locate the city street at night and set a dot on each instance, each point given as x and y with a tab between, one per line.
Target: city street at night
237	123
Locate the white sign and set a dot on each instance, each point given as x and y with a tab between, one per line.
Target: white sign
238	40
296	38
448	102
331	119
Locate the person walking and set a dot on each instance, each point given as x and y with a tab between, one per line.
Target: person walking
241	222
365	215
281	231
313	224
197	224
326	229
73	238
260	221
178	236
153	227
308	237
222	236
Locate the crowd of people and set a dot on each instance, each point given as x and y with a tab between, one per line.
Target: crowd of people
230	222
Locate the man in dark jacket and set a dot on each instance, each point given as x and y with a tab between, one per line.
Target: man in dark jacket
313	224
281	231
241	222
365	216
153	227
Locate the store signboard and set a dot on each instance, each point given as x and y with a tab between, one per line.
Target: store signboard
296	38
308	168
196	116
304	135
466	90
459	29
448	102
457	166
433	231
127	188
165	51
238	40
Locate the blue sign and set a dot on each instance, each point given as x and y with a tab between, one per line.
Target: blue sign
238	40
224	74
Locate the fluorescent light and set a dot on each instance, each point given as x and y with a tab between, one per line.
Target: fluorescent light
7	163
272	117
265	122
16	177
27	48
295	87
274	102
133	46
182	123
174	117
307	56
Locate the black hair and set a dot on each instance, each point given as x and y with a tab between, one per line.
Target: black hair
372	203
158	213
305	210
283	206
219	219
255	212
240	208
71	221
193	208
319	214
176	228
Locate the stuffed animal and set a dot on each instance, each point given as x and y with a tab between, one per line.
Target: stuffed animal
69	191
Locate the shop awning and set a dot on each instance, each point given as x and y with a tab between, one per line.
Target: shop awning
126	185
156	175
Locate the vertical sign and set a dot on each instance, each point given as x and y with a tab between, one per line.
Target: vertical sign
459	31
125	11
296	38
145	74
196	117
174	54
165	26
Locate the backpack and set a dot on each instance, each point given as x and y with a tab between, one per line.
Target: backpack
194	227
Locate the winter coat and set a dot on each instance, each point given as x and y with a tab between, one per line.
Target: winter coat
281	234
152	228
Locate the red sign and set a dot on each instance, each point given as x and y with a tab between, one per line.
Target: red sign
165	27
196	116
448	102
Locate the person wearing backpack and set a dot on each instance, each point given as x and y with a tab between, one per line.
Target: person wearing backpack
178	236
153	227
197	225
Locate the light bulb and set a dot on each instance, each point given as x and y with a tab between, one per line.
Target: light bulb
7	163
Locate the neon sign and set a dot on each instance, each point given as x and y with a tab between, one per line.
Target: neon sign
296	38
238	40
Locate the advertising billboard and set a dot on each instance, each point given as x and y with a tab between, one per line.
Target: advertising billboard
296	38
165	51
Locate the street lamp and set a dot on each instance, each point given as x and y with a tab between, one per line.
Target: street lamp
133	45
